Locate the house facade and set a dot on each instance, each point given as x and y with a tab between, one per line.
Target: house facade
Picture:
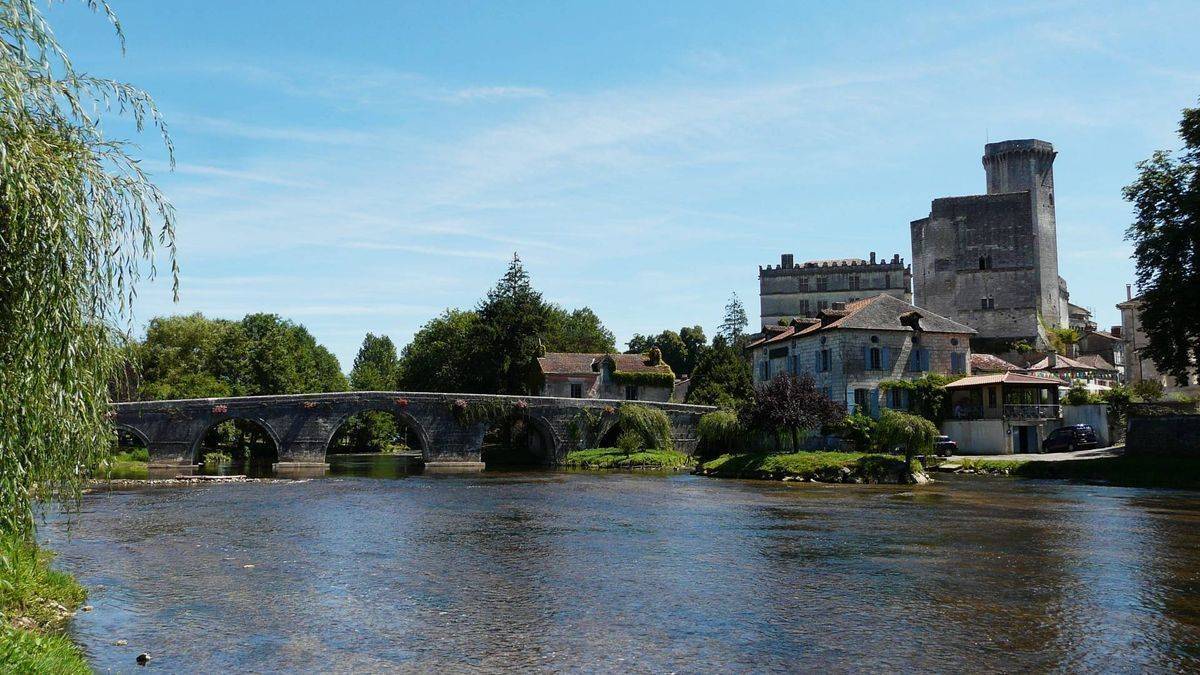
629	377
850	349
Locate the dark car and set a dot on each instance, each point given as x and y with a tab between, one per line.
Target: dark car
1071	438
942	445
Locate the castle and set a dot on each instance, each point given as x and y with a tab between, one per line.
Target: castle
991	261
988	261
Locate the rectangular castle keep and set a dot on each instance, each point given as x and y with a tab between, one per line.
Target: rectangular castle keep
787	291
991	261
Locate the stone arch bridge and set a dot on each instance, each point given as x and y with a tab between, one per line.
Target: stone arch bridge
302	425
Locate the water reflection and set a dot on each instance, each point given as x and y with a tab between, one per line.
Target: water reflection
617	572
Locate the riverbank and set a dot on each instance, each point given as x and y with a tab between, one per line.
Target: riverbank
35	603
616	458
819	467
1125	471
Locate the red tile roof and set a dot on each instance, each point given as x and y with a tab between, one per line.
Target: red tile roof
881	312
1004	378
990	363
566	363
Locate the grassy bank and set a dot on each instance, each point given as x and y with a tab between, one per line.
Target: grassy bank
840	467
616	458
35	603
129	464
1126	471
1004	467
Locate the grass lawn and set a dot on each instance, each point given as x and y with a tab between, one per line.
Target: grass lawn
616	458
36	602
1000	466
1126	471
804	465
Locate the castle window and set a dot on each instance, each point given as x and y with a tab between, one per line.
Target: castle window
804	306
875	359
577	390
854	283
803	285
987	303
822	284
887	281
631	392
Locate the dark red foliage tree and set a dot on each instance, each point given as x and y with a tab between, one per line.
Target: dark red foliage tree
793	404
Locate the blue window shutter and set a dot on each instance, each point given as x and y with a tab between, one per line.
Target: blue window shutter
873	398
924	360
817	361
866	358
887	358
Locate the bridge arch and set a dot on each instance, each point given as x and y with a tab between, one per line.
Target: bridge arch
133	431
260	423
411	423
524	439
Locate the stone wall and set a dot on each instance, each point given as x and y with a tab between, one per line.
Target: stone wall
1177	435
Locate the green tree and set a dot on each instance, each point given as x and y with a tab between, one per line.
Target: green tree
1166	251
927	395
911	432
286	359
733	326
79	223
193	356
1147	390
508	336
440	356
722	378
579	331
682	350
178	358
376	367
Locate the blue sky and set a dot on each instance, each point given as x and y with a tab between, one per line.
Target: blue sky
359	166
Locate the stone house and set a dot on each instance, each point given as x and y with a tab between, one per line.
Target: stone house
1107	345
1138	367
850	349
788	290
629	377
1002	413
1092	371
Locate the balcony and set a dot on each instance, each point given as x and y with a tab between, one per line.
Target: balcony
1009	411
1031	411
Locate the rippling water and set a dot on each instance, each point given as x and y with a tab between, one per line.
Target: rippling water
622	572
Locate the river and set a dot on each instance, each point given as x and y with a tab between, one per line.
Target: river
621	572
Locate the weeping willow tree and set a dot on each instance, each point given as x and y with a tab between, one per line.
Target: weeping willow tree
80	224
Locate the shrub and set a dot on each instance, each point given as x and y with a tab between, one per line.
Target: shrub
644	378
629	442
1147	390
720	430
215	458
858	429
1079	395
651	425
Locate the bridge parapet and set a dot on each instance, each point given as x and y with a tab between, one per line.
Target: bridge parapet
302	425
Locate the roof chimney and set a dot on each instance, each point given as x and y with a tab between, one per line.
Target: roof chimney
872	257
786	261
837	305
1116	331
1128	291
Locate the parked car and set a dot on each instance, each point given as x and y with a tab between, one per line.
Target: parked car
942	445
1071	438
